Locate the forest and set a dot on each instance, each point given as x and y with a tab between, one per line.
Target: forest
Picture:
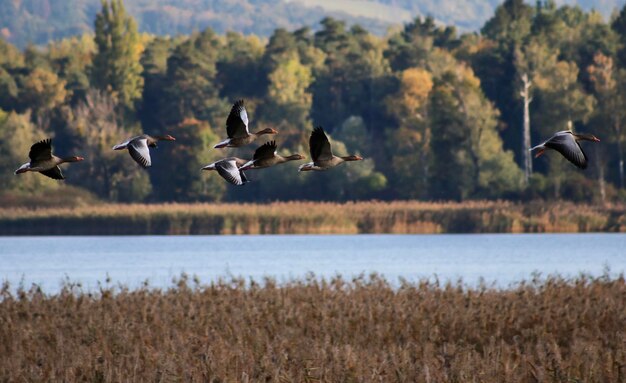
438	115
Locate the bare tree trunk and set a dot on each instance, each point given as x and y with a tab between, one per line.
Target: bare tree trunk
528	163
601	182
618	137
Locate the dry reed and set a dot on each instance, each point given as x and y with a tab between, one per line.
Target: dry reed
399	217
319	331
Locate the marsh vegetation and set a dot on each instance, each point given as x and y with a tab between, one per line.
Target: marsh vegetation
364	329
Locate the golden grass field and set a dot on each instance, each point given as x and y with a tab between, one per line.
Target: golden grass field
399	217
362	330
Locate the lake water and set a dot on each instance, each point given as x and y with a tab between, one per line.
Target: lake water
503	259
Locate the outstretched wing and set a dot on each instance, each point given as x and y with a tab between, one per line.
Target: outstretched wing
565	143
229	171
237	121
320	146
266	150
244	179
124	144
138	149
41	151
54	173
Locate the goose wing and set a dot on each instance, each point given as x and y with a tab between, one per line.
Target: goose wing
124	144
41	151
237	121
54	173
565	143
267	150
320	146
229	171
138	149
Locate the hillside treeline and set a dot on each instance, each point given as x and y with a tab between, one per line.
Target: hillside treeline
39	21
437	115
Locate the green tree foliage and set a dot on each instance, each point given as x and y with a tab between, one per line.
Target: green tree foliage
190	87
435	114
179	176
42	90
94	127
18	135
116	65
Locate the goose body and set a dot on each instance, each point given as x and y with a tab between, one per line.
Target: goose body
566	142
322	154
139	147
228	169
43	161
237	128
266	156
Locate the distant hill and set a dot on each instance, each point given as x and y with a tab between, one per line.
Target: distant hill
39	21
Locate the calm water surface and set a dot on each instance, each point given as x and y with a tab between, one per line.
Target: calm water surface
502	259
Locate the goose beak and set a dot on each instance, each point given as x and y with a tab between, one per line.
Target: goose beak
539	153
596	139
80	158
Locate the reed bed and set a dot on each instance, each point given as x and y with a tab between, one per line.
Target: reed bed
399	217
312	330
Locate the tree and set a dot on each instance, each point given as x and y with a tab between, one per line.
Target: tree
610	90
110	174
190	87
468	158
116	65
19	133
530	61
410	142
525	93
180	178
43	91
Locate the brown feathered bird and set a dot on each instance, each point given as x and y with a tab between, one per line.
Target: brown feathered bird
266	156
228	169
237	128
43	161
321	153
138	147
566	142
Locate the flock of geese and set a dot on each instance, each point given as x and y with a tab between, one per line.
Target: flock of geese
232	168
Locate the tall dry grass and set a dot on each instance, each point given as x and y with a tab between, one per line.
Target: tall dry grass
400	217
319	331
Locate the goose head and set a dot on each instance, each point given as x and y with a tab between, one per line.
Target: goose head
295	157
73	159
266	131
352	158
586	137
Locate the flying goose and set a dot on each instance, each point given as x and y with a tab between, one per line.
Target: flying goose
566	143
43	161
237	128
138	147
228	168
321	153
266	156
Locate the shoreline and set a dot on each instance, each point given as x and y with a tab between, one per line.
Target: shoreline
399	217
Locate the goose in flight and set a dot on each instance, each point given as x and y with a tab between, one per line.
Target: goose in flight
138	147
228	168
266	156
237	128
321	153
567	143
43	161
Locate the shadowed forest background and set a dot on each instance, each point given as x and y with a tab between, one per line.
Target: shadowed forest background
437	114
